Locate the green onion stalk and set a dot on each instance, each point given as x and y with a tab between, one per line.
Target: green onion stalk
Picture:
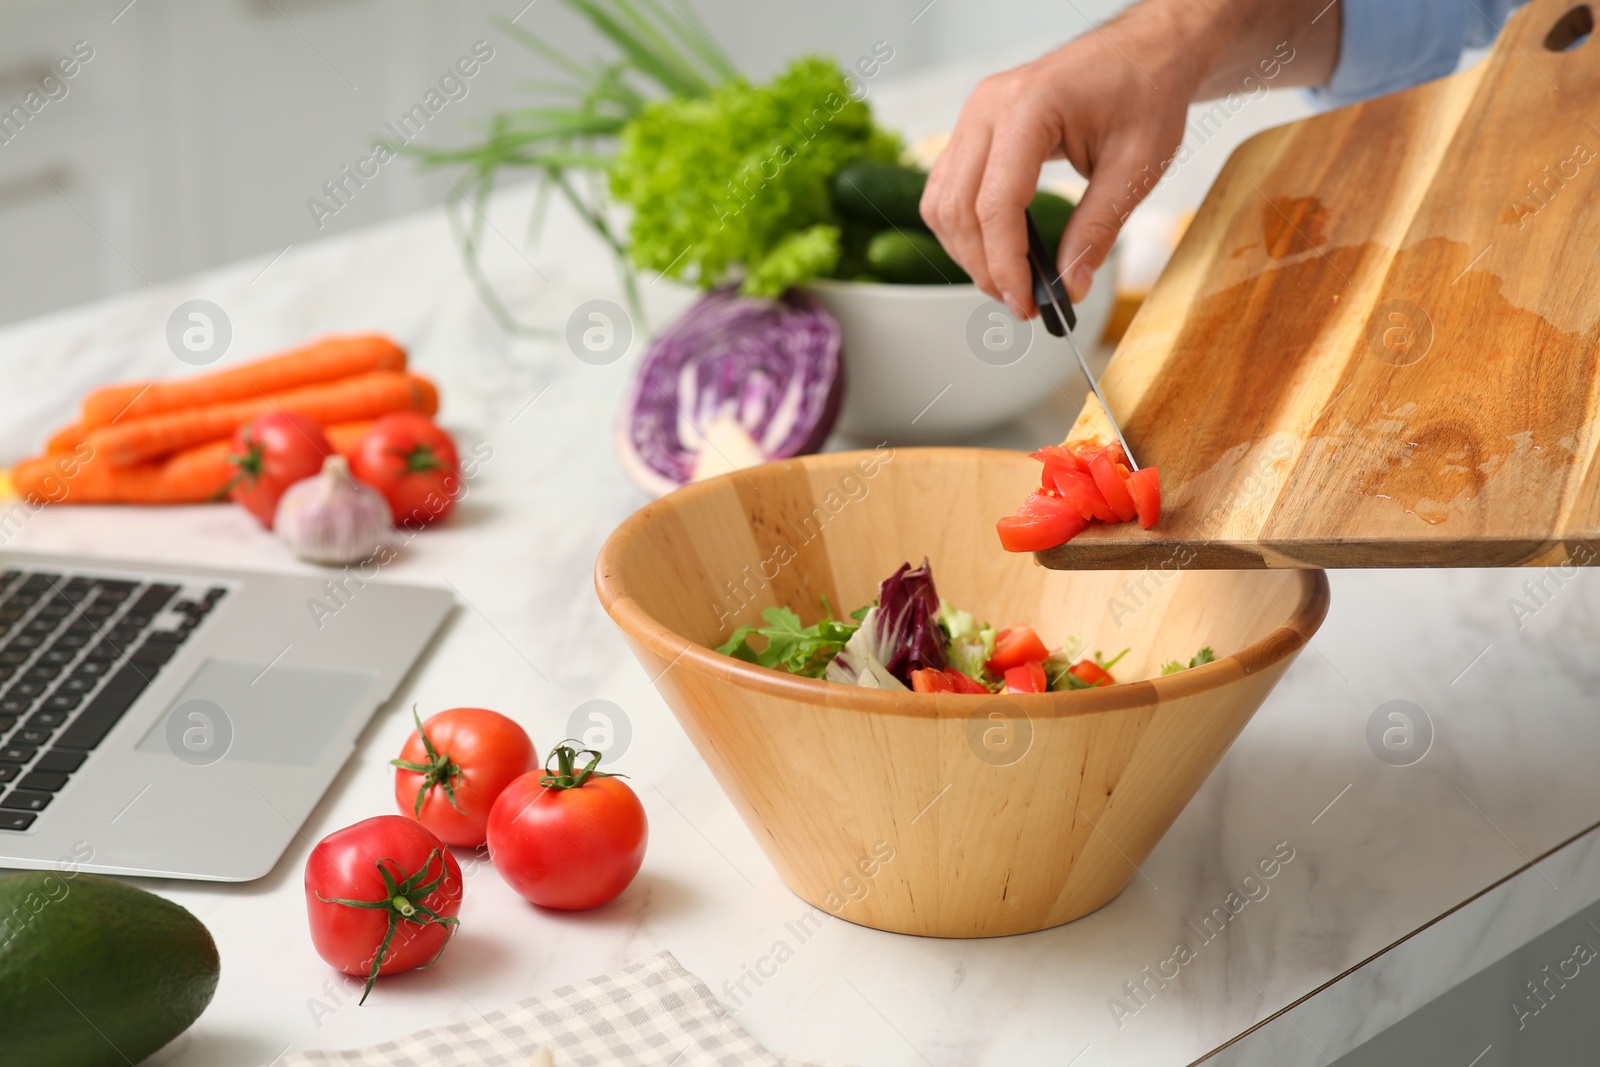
569	136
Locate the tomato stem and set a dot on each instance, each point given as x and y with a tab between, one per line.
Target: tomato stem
438	771
566	756
402	900
419	458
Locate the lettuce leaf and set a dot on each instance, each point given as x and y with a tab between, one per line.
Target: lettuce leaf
1058	667
1172	666
860	662
969	644
735	184
803	650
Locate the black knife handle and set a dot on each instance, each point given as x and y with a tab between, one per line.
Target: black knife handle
1047	282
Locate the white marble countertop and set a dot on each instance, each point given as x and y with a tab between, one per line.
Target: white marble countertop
1378	850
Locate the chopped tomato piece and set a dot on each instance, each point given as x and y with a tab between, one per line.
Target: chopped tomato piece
1041	522
1026	678
1087	670
1078	490
962	684
1145	487
1111	479
1014	647
1055	458
1079	485
933	680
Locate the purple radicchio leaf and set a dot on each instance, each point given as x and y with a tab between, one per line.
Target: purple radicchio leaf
906	621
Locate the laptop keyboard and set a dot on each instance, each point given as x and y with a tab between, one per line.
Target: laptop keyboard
75	653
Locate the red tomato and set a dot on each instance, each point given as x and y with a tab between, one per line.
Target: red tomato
1089	671
1055	459
1041	522
271	453
453	767
1014	647
960	683
1079	491
1145	486
412	463
949	680
382	896
568	839
1026	678
1110	478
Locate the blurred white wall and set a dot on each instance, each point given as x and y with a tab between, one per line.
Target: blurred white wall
197	130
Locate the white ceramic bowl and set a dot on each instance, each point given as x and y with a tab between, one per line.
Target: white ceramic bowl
928	364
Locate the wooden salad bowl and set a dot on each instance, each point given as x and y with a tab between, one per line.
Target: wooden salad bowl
941	815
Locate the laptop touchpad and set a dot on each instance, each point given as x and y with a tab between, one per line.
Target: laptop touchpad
258	713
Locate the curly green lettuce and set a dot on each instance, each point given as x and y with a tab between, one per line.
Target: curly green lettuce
735	184
970	642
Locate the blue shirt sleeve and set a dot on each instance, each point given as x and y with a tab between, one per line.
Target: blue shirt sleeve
1389	45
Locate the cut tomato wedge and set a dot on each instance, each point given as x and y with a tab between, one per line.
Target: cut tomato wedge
1026	678
960	683
1081	483
1014	647
1078	490
1144	485
1041	522
1087	670
1111	479
933	680
1055	458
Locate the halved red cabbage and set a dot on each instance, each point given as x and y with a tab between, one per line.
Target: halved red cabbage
771	366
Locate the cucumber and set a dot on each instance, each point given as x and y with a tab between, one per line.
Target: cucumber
880	193
912	257
94	972
887	195
1050	214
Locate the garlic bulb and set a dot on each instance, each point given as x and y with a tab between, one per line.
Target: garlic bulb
331	517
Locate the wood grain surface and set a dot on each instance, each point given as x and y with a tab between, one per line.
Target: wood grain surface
926	813
1376	344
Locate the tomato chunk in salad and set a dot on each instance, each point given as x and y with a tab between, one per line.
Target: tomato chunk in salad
910	638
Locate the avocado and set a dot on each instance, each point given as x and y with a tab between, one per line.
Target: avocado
912	257
881	194
95	972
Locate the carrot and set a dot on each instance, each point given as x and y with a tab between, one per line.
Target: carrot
194	476
65	439
363	396
323	360
62	478
344	436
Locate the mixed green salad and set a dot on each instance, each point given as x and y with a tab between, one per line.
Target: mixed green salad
909	639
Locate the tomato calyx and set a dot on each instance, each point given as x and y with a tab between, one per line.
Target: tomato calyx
438	771
419	458
251	464
566	757
402	900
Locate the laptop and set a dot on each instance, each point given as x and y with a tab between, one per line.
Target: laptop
182	722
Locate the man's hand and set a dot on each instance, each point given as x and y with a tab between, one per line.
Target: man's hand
1113	103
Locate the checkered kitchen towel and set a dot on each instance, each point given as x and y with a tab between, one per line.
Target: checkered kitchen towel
652	1014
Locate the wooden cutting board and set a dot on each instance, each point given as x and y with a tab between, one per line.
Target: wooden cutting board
1376	345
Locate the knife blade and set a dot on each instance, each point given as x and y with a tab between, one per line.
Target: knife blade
1055	309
